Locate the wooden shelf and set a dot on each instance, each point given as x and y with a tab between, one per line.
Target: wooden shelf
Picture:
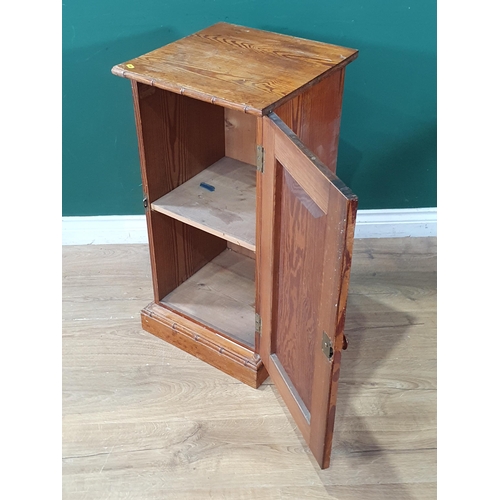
221	295
228	211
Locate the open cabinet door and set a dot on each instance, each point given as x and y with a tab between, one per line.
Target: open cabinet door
307	232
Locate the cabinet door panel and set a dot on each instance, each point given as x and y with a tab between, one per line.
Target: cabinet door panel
308	218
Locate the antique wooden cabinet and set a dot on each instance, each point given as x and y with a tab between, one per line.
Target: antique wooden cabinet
250	230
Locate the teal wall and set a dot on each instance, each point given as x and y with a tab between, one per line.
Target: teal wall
387	151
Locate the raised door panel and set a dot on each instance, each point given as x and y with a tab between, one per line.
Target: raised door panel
308	218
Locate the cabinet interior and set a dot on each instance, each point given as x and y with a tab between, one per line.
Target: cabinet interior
201	176
220	295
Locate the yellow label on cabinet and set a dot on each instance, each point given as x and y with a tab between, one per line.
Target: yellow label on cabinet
129	66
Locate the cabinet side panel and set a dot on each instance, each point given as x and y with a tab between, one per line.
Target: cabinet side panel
178	137
314	115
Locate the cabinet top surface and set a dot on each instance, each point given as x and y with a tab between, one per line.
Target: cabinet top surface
237	67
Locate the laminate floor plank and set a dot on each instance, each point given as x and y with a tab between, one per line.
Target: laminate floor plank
144	420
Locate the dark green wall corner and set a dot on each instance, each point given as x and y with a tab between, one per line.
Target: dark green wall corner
387	151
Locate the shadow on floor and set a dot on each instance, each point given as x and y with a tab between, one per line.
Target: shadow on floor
374	329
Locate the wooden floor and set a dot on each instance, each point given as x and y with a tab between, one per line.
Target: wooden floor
144	420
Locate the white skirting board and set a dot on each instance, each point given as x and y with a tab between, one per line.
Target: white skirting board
116	229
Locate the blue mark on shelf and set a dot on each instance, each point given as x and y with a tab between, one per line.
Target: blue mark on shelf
209	187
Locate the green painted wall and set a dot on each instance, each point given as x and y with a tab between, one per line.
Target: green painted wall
387	151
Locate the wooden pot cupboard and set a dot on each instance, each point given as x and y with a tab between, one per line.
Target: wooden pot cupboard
250	230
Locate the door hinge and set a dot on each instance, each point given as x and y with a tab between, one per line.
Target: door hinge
258	323
326	346
260	159
145	202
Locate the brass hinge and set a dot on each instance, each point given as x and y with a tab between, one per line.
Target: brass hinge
258	323
260	159
326	346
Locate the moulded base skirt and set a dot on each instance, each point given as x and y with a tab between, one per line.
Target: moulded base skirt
222	353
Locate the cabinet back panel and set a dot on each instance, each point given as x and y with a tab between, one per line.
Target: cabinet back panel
178	137
300	246
241	136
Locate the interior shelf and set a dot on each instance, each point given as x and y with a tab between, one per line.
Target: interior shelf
225	207
221	295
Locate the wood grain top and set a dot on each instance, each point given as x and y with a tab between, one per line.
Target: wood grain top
237	67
